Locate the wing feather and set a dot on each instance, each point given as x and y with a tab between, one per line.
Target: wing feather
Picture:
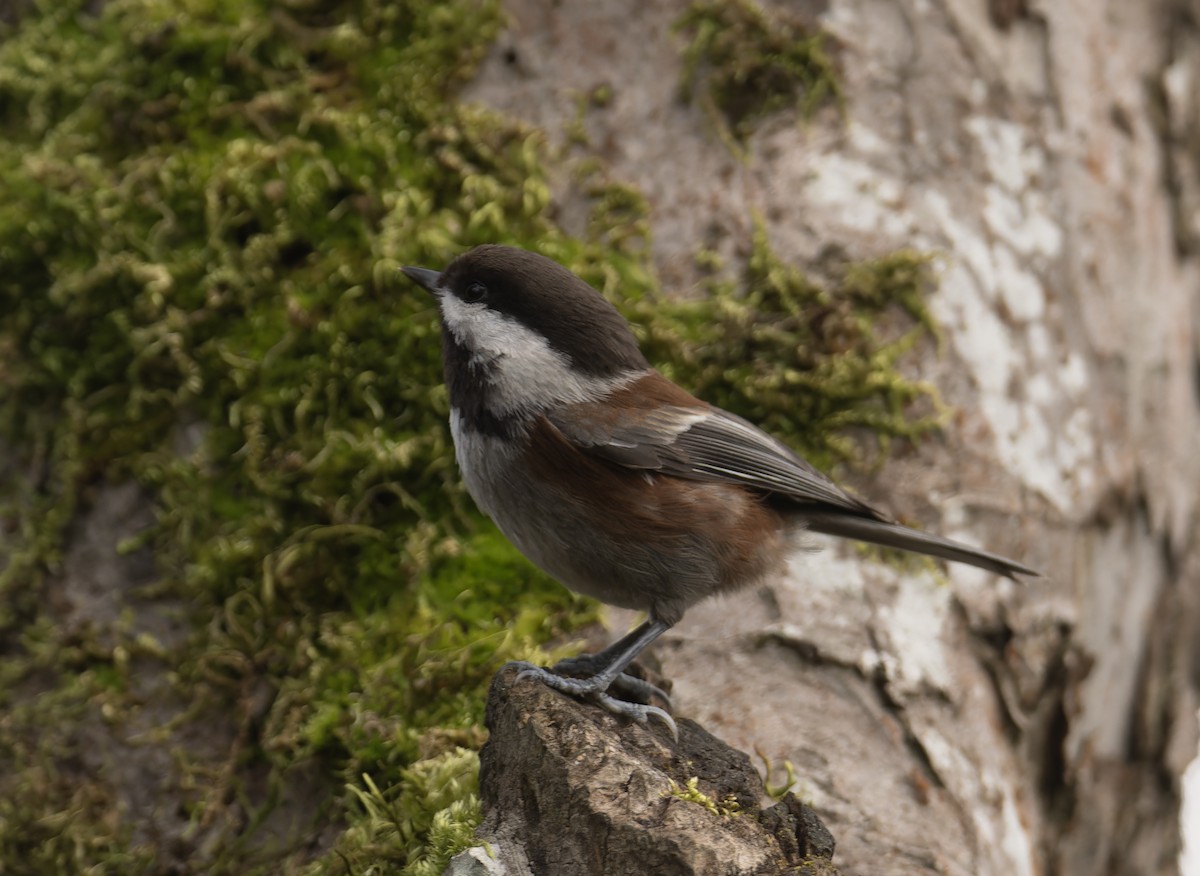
659	427
702	444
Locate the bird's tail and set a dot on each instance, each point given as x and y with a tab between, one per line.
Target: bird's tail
894	535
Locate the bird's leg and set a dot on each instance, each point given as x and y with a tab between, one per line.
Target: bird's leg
608	666
630	687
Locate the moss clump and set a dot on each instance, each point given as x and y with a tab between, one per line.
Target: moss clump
752	62
54	817
806	360
433	815
205	208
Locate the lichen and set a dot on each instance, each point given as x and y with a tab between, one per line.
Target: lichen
205	208
748	61
726	807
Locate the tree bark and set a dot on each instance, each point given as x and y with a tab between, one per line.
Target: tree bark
571	789
1050	152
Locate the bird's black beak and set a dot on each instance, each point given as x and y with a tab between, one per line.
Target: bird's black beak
430	281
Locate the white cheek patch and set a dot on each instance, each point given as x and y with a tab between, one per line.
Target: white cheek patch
488	334
525	372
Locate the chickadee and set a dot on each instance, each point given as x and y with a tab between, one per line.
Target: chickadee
611	478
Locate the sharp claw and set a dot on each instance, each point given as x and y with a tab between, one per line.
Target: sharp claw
528	670
638	712
638	690
586	687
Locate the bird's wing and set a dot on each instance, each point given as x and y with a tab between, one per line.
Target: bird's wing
701	443
709	444
653	425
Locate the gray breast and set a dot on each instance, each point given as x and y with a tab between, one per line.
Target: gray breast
560	537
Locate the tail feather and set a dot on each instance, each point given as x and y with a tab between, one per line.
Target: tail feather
894	535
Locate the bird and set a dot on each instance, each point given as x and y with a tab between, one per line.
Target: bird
613	479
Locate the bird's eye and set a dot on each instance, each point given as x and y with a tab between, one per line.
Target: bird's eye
475	292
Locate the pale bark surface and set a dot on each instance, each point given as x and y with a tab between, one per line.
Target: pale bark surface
1051	152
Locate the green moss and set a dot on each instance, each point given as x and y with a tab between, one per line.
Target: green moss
727	807
54	817
777	791
205	209
807	360
750	62
417	830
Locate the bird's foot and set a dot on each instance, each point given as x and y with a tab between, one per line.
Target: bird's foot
596	691
632	688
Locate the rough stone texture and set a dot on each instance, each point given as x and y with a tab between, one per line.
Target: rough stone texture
1049	152
569	789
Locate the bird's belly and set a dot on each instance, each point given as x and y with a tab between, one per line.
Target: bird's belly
554	535
646	556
